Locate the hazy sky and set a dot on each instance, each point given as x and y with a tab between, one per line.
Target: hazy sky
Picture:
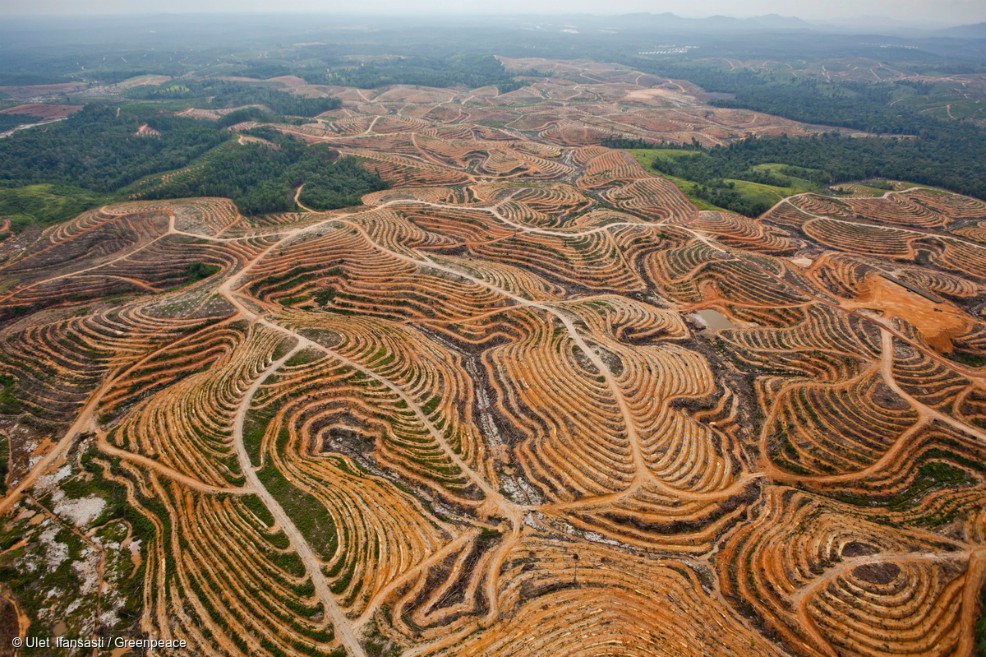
937	11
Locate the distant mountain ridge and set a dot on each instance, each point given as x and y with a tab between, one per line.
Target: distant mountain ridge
768	22
975	31
765	23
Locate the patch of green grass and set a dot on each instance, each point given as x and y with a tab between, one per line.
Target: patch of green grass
9	404
254	428
45	204
307	513
645	156
304	357
795	184
257	508
197	271
867	190
766	194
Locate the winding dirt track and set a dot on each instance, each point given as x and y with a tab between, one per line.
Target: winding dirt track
313	566
887	369
165	471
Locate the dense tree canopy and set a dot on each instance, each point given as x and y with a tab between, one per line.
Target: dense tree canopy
98	154
922	149
262	178
99	149
9	121
462	69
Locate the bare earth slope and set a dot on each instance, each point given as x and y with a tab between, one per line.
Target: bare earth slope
477	416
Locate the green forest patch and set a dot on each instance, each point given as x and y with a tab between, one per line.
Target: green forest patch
749	190
45	204
645	156
98	156
262	178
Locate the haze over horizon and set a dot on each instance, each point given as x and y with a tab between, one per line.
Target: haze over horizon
942	12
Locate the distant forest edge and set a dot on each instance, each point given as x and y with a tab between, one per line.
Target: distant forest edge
225	94
95	156
919	148
472	71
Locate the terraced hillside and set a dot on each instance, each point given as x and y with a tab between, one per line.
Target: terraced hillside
527	401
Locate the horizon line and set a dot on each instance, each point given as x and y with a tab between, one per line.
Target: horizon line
468	14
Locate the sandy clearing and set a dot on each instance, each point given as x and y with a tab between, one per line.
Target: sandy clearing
937	322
